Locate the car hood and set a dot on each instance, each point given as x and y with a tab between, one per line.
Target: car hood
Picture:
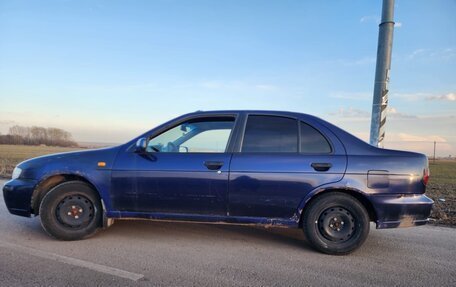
68	161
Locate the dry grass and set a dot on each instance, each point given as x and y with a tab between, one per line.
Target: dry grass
11	155
442	189
443	171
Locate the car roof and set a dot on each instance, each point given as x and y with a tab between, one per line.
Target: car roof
266	112
297	115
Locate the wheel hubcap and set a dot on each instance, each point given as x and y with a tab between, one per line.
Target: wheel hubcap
336	224
75	211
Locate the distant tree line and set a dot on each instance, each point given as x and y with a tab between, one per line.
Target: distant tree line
37	136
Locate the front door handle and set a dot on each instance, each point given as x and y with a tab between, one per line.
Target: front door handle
213	165
321	166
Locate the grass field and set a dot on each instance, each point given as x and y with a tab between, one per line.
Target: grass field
443	171
11	155
441	187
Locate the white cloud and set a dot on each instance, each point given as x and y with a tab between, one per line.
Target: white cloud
394	113
350	113
420	138
410	96
425	96
403	131
416	53
398	24
444	54
359	113
435	54
420	143
447	97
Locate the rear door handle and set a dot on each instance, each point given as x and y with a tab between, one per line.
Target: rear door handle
321	166
213	165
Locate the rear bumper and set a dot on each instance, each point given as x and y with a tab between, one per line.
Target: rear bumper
18	195
401	210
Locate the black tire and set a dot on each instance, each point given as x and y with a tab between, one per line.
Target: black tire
336	223
71	211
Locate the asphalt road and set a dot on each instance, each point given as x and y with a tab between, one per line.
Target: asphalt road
146	253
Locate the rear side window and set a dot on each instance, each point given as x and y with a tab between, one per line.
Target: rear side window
270	134
312	141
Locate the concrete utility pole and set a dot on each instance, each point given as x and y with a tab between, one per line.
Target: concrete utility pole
380	102
434	151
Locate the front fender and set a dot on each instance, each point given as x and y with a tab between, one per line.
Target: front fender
100	180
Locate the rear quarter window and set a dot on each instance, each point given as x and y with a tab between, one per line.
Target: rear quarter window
312	141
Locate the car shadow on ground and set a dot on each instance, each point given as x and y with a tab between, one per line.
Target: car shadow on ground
288	238
159	230
149	230
145	229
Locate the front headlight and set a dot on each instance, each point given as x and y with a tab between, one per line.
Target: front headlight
16	173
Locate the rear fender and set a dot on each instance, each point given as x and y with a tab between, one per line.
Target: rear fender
361	196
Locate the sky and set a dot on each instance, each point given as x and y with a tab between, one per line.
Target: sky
107	71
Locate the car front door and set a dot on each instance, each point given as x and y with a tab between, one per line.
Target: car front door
280	160
184	170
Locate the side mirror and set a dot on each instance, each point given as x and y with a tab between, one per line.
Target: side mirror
141	145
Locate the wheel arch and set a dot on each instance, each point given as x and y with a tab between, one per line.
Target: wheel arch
358	195
48	183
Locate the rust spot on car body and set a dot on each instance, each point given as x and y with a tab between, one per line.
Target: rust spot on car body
407	221
41	189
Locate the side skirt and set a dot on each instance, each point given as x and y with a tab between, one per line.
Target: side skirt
216	219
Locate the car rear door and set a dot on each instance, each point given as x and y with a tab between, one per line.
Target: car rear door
279	161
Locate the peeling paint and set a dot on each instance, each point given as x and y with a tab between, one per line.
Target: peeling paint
407	221
271	223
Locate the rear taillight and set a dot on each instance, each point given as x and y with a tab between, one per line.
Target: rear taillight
426	175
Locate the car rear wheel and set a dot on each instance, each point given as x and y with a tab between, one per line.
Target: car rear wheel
71	211
336	223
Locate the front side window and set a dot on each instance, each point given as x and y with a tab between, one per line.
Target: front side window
206	135
270	134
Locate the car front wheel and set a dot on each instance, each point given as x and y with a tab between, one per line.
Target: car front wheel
71	211
336	223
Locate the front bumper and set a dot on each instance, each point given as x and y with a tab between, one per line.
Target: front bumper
18	196
401	210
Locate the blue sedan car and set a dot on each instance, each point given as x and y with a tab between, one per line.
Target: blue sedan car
242	167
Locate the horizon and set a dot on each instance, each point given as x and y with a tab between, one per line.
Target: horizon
106	71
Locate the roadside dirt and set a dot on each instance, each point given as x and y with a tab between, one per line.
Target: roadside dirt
444	209
442	189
